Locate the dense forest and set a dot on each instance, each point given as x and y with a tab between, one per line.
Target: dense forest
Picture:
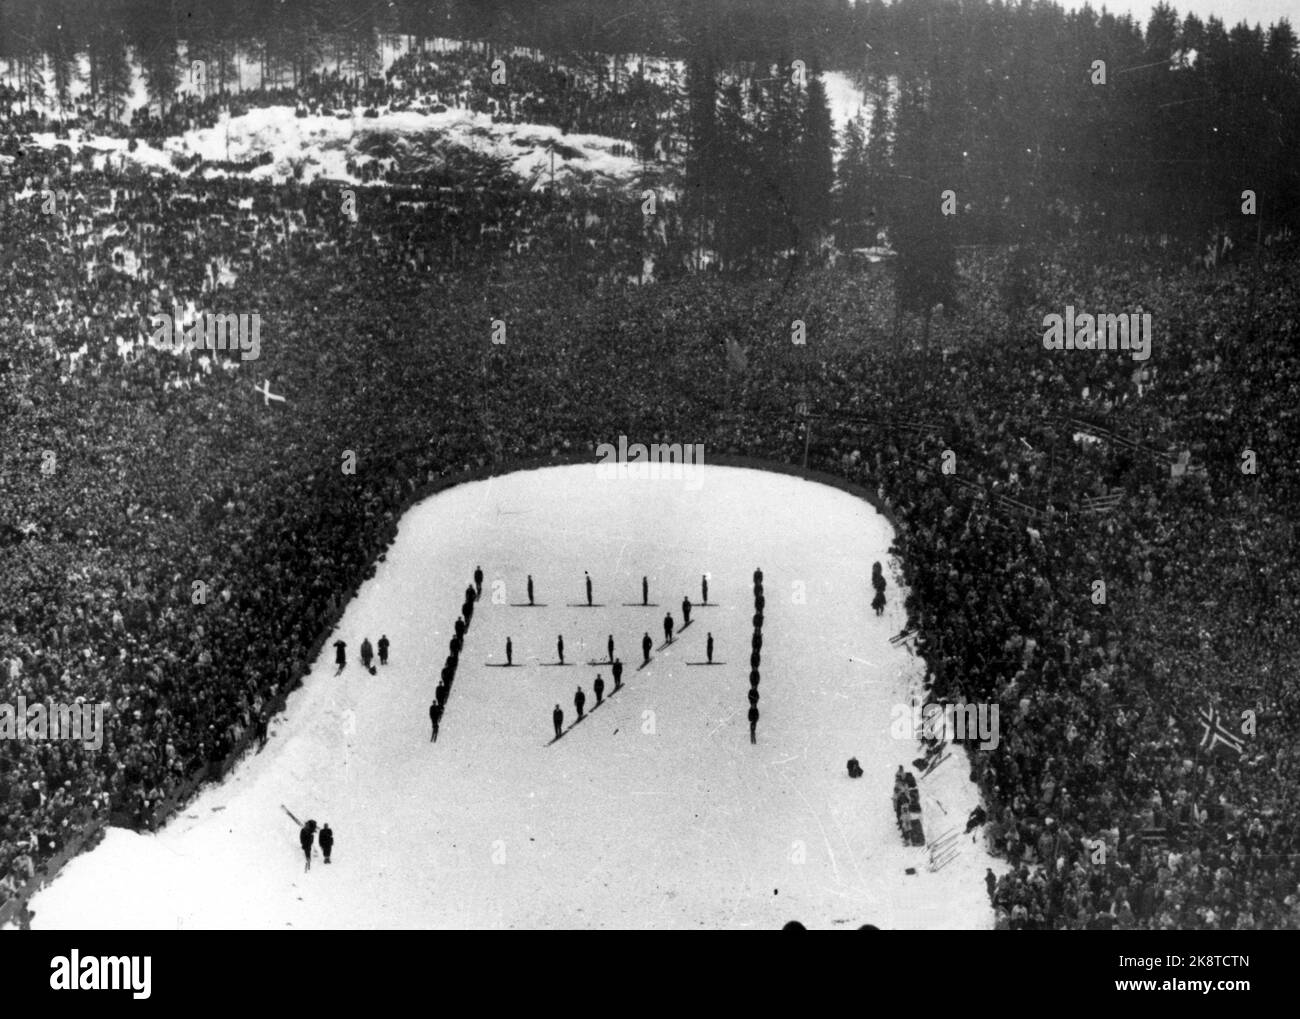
1042	123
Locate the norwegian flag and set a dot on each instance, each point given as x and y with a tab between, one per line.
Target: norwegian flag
1215	735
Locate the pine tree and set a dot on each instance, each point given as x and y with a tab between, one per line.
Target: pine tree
816	167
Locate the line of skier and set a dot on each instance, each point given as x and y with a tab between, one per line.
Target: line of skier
755	655
645	591
447	677
580	698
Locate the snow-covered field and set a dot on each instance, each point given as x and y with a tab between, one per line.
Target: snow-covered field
321	146
656	811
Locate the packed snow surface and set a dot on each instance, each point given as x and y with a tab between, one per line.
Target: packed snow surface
655	811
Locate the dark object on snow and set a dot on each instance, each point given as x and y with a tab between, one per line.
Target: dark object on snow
855	769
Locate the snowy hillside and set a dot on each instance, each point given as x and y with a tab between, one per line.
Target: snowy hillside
656	811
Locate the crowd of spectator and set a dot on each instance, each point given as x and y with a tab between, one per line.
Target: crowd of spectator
170	471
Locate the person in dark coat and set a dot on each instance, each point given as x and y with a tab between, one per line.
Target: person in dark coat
478	582
588	576
459	627
618	673
383	649
557	716
668	627
646	645
753	723
470	596
440	694
467	610
686	612
435	716
609	646
305	838
758	577
367	652
530	589
599	687
510	652
704	589
878	602
326	841
559	647
579	699
645	590
340	654
753	695
708	649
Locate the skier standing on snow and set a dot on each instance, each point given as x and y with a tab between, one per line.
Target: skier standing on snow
510	652
530	589
599	687
753	723
340	654
305	839
383	649
668	627
704	588
579	699
708	649
646	645
326	841
435	716
610	647
645	591
557	716
478	582
758	578
588	576
686	612
559	647
367	653
618	673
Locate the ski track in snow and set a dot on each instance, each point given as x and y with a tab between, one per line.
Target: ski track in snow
611	826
